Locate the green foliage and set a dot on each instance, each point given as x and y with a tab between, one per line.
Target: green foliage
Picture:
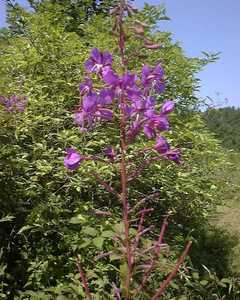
71	14
205	285
47	215
224	123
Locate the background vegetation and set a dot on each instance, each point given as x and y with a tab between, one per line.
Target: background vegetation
46	213
225	122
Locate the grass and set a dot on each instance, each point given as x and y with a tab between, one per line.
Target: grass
228	214
229	219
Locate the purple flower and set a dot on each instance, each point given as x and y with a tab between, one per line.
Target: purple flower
174	155
109	76
128	80
128	110
167	107
93	109
153	77
97	61
106	96
127	84
161	123
86	87
155	124
73	159
104	114
144	106
83	120
149	131
134	131
90	103
110	153
162	145
138	105
150	102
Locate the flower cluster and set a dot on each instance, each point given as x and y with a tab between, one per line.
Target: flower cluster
14	103
125	94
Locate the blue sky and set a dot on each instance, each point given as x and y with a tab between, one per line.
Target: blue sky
203	25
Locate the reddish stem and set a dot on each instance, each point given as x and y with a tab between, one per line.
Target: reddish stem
161	235
140	226
153	262
124	198
141	168
143	200
84	280
106	185
123	171
170	277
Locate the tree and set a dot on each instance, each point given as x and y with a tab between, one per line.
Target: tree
72	13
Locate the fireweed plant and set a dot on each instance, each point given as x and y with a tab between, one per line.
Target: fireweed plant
130	102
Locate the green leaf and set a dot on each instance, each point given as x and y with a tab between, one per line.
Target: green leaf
7	219
119	228
85	244
90	231
123	274
77	220
115	257
203	282
98	242
107	234
24	228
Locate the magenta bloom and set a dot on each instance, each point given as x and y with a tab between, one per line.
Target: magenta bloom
161	123
127	84
90	103
93	109
73	159
106	96
144	106
124	94
83	120
155	124
109	76
104	114
167	107
174	155
162	145
134	131
153	77
110	153
98	60
85	87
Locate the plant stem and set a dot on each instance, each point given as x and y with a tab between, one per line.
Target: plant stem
123	171
156	248
124	197
84	280
170	277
